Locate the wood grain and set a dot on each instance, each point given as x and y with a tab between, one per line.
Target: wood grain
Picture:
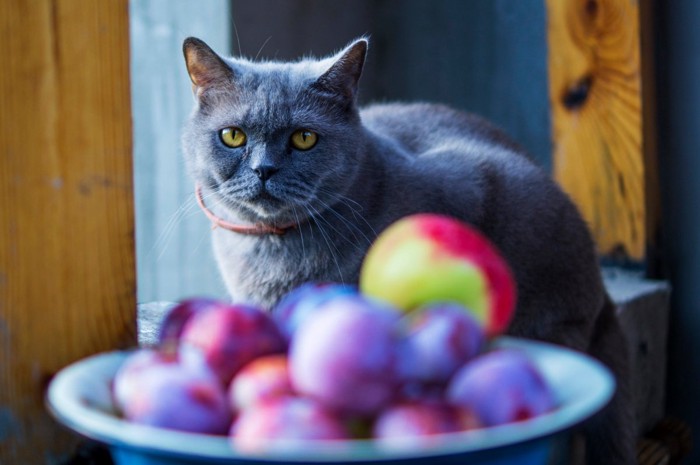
596	98
67	270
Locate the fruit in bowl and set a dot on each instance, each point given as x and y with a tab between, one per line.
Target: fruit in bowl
261	380
433	292
346	356
226	337
440	339
155	389
427	258
296	420
412	358
503	386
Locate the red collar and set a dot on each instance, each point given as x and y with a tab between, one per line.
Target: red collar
253	230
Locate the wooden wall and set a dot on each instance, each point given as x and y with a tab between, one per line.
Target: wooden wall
67	272
603	154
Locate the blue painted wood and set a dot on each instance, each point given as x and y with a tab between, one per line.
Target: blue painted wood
173	248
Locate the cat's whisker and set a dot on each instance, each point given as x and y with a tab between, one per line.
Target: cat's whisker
301	233
355	212
261	48
328	243
349	224
338	233
161	243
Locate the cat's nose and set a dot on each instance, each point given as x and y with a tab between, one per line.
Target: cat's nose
264	172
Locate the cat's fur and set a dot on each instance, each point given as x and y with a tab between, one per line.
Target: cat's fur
373	166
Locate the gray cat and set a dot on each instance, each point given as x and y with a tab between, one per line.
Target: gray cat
301	181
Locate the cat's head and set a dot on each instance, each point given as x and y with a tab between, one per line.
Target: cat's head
273	142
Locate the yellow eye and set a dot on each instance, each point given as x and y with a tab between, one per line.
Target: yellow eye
303	139
233	137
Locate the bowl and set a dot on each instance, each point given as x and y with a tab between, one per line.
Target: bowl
79	396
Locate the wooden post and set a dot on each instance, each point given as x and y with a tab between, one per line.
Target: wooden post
601	157
67	272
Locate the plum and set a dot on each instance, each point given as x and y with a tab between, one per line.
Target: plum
260	380
441	339
346	356
174	322
226	337
292	420
502	386
419	421
138	362
158	391
304	301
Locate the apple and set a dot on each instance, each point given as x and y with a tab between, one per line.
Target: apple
428	258
502	386
226	337
346	356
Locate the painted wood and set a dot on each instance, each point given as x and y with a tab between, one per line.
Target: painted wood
596	99
67	271
172	235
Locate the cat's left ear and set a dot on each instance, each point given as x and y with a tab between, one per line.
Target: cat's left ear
344	74
207	70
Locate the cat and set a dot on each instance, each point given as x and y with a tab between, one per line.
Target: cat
301	180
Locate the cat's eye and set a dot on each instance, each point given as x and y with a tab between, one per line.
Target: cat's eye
233	137
303	139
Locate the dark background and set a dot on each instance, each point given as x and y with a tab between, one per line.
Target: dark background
486	56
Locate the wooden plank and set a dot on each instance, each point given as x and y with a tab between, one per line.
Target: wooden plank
67	271
596	100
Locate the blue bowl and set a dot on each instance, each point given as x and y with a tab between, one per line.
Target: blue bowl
79	396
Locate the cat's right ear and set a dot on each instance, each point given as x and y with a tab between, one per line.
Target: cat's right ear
342	77
207	70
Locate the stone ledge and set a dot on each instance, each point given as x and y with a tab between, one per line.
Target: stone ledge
643	309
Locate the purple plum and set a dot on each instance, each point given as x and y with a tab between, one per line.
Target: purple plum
156	390
226	337
501	387
260	380
292	420
174	322
138	362
304	301
441	339
418	422
346	356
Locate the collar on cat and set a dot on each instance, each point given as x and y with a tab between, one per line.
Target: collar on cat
253	230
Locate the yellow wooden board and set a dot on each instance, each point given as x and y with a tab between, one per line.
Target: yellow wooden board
67	270
596	100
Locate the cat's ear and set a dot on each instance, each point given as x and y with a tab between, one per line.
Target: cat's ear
344	74
207	70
